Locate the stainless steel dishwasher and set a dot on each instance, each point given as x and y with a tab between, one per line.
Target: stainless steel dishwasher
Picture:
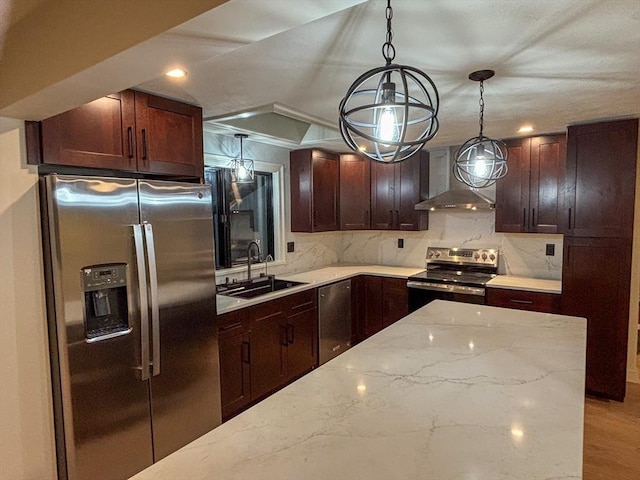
334	319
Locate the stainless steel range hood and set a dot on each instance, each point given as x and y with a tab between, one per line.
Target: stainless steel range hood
449	193
457	199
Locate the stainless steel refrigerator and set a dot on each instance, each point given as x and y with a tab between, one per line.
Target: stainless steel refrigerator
132	320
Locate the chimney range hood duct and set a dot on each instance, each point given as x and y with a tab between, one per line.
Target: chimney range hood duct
457	196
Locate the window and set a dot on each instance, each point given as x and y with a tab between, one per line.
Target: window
244	213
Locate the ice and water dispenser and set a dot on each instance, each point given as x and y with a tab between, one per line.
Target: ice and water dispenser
106	313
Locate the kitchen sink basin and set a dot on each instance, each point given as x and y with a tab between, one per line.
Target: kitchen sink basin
255	287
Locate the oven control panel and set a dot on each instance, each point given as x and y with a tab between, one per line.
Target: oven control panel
463	256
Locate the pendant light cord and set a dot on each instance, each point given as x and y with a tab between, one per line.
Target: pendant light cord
481	107
388	50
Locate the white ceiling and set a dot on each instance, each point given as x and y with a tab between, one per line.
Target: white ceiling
557	62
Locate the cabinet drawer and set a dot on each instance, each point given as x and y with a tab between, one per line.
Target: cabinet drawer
302	301
232	323
524	300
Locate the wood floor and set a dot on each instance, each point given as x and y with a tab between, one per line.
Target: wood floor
612	437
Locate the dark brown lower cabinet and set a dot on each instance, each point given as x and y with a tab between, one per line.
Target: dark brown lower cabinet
524	300
268	351
377	302
395	300
264	347
596	285
235	373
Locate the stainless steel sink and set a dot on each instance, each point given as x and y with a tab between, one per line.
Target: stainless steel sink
255	287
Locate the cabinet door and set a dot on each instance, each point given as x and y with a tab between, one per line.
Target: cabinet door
235	372
596	277
358	302
326	180
268	351
548	160
600	179
315	180
383	186
302	339
355	192
373	306
512	191
99	134
169	136
411	187
395	300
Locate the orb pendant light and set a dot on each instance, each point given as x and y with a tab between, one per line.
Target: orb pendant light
390	112
242	169
480	161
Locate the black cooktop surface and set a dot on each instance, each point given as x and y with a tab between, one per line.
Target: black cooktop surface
462	277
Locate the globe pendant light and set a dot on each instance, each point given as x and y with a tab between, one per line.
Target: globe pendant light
242	169
390	112
480	161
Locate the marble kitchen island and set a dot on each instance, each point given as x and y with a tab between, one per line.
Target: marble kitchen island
452	391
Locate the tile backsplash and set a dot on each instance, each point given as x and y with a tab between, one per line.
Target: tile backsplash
521	254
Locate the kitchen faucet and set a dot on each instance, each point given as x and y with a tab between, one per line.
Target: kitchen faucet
251	244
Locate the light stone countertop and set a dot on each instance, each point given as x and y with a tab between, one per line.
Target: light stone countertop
452	391
313	279
525	283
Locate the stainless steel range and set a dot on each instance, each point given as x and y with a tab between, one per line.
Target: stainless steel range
457	274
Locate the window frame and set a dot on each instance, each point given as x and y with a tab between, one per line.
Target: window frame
279	234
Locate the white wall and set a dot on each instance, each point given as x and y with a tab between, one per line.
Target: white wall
26	417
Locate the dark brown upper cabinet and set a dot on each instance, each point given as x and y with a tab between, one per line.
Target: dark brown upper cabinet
315	189
128	131
395	190
355	192
600	179
528	198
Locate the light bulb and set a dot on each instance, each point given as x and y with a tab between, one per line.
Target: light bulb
388	126
480	167
242	172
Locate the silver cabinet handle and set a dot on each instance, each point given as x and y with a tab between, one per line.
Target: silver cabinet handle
144	303
523	302
153	291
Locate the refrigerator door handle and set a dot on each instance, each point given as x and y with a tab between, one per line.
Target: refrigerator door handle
153	290
144	303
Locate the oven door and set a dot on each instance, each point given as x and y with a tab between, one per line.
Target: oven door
421	293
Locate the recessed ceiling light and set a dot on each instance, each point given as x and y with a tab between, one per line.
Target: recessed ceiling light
176	73
525	129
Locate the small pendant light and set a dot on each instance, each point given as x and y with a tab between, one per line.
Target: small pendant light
390	112
480	161
243	170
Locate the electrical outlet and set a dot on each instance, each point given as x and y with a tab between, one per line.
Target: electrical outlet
290	247
550	249
401	243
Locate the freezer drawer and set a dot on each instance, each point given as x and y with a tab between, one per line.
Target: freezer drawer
334	318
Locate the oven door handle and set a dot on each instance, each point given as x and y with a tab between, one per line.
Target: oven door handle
441	287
